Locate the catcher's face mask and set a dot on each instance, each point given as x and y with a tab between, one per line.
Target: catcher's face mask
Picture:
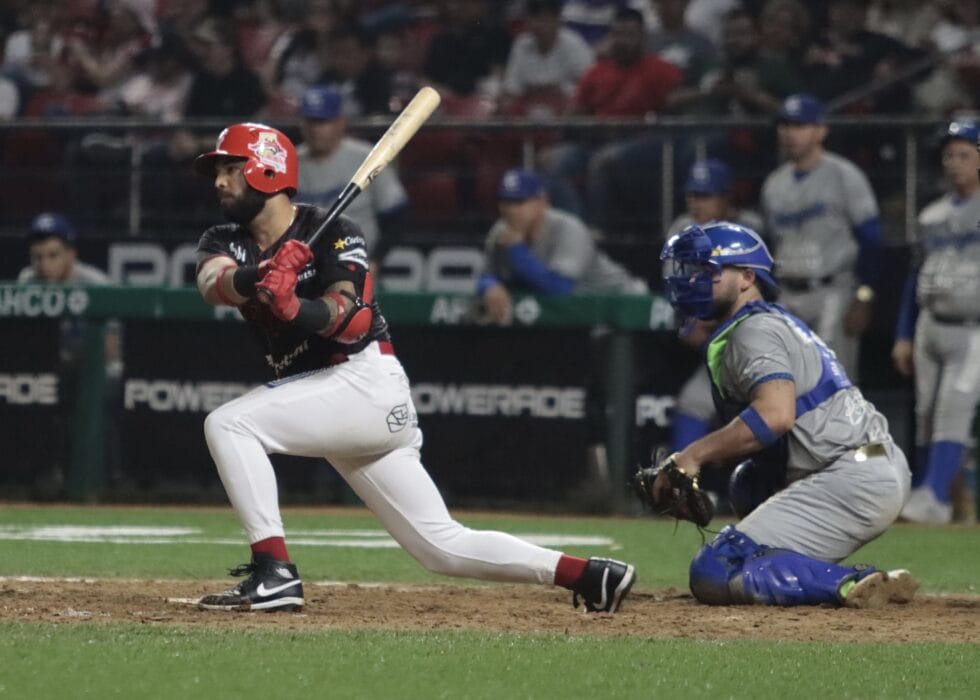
696	255
689	272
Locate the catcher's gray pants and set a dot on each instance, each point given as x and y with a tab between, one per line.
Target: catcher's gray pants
829	514
947	380
823	309
360	416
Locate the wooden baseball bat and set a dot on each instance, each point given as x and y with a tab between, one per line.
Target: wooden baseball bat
388	146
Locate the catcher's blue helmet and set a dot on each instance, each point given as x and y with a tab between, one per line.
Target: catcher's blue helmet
697	253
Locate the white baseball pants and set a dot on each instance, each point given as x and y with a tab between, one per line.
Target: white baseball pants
358	415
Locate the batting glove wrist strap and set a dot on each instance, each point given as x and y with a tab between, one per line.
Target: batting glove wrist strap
245	278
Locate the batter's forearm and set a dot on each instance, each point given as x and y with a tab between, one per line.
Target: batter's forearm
216	283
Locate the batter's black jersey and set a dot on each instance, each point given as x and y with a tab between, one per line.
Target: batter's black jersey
340	254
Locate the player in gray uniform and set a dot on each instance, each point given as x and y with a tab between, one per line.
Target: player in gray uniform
326	160
777	386
708	196
945	353
538	249
823	221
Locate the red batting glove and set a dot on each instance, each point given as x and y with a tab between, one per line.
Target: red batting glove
292	255
264	267
278	290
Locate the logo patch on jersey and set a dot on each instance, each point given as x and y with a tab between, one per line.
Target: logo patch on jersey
237	252
269	151
398	418
344	243
356	256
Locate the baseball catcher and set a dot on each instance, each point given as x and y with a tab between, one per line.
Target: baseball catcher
774	379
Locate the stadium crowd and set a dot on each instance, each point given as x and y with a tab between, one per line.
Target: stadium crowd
177	60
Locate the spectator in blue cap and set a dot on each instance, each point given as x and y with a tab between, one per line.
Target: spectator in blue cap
538	249
938	330
53	257
822	216
328	158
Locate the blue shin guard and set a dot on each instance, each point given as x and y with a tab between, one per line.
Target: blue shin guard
734	570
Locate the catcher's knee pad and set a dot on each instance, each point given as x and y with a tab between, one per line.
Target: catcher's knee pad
784	577
735	570
718	563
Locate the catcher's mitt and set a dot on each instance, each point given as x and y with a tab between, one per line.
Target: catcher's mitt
669	491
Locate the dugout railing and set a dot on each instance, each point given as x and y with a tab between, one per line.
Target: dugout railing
117	178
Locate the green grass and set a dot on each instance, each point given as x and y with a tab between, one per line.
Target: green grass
943	558
42	660
50	661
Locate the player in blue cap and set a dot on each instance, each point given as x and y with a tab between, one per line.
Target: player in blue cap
536	248
938	333
51	246
708	197
822	218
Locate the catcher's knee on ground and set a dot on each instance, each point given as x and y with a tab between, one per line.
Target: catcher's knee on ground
735	570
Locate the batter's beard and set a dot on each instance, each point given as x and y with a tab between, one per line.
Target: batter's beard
244	209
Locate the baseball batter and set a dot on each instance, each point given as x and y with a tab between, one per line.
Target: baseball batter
326	160
338	391
775	380
941	345
823	219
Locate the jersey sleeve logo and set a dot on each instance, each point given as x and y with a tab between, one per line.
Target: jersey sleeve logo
237	252
269	151
354	250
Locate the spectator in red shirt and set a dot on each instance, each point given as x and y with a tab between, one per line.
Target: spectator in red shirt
631	82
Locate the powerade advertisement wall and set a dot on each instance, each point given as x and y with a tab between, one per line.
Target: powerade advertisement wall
507	413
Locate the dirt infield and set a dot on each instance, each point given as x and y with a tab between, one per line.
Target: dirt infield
662	614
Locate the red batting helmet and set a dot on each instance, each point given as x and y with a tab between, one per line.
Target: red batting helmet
271	165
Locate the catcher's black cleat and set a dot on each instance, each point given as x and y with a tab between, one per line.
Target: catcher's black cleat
603	585
271	585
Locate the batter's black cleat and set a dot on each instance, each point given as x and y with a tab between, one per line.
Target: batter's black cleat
271	586
603	585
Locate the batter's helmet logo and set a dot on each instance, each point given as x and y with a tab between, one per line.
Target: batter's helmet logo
269	151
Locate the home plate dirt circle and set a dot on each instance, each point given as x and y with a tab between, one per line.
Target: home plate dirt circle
336	606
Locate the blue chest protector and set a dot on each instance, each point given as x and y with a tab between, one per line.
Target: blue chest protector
832	375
